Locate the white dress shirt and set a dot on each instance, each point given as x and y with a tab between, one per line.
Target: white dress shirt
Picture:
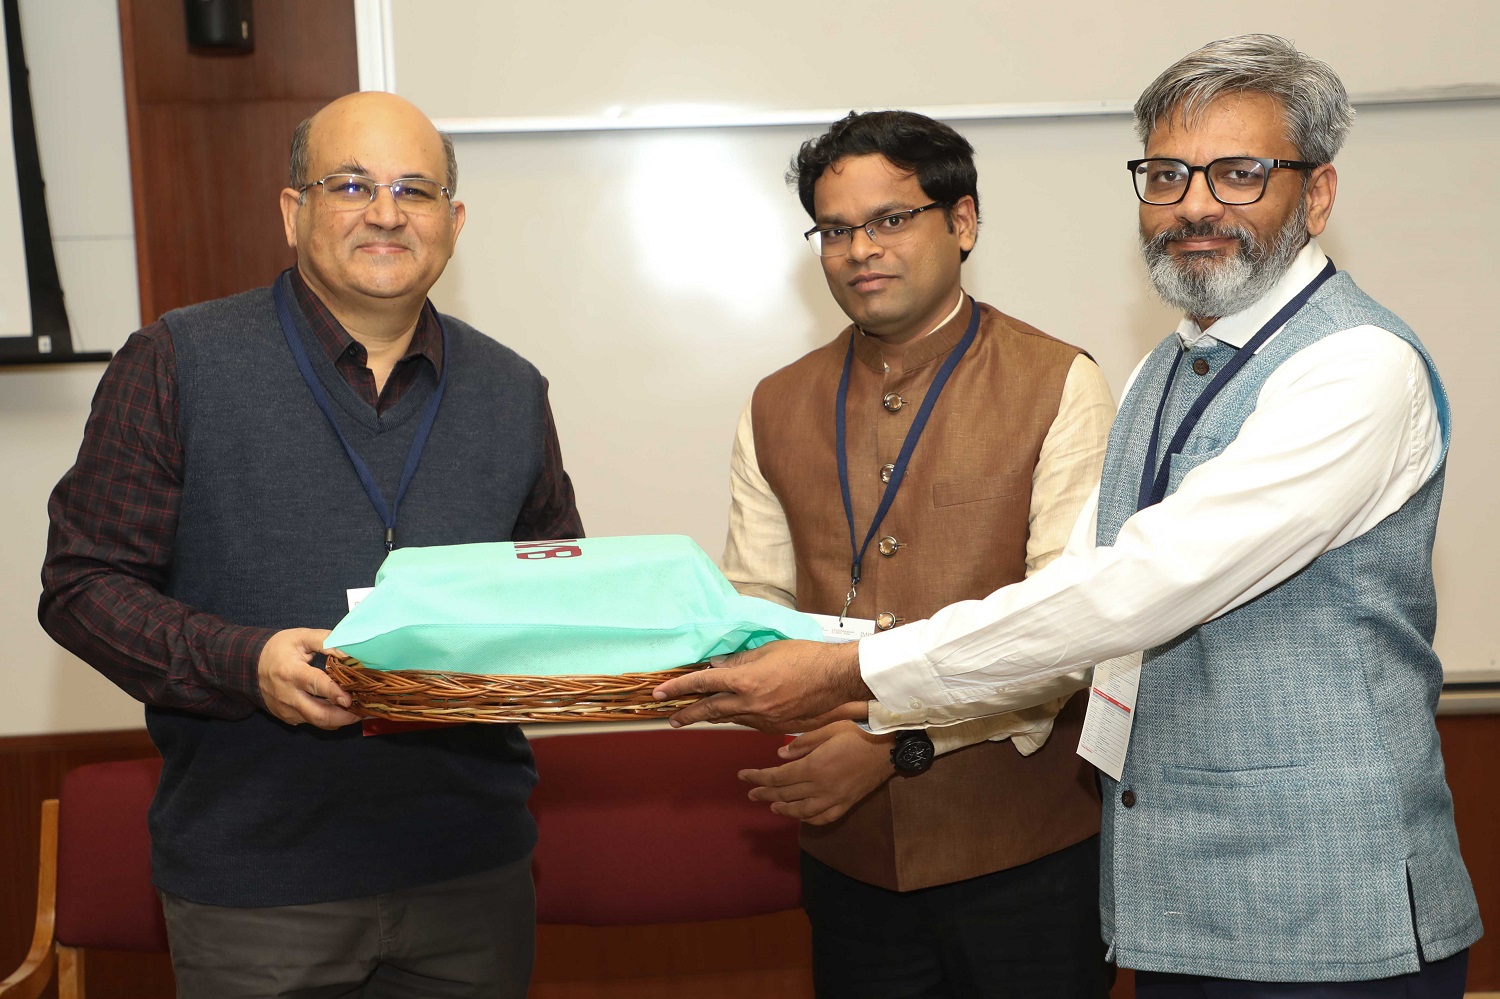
1343	433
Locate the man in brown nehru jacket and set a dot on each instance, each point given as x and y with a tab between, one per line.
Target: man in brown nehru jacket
935	450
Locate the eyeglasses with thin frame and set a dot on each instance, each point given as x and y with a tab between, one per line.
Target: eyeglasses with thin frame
1232	180
348	192
831	241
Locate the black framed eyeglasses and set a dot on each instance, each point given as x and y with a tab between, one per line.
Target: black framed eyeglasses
1232	180
347	192
883	231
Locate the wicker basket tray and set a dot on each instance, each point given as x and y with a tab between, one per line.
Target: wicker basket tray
432	696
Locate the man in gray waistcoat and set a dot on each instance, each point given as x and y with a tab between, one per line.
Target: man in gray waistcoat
1281	825
248	462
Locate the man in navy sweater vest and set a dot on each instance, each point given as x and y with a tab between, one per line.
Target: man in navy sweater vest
246	463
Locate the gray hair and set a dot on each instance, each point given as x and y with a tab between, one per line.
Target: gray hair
1312	97
297	171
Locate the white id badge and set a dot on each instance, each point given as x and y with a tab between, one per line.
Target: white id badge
838	631
1111	712
356	594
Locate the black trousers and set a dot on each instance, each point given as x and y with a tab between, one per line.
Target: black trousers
1439	980
1031	932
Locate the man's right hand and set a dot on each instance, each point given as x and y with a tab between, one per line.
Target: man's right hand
786	686
296	691
831	769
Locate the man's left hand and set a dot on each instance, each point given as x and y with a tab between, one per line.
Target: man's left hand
786	686
831	769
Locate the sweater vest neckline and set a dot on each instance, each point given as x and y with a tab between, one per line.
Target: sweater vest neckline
343	395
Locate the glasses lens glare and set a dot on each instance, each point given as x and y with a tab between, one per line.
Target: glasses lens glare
348	188
1238	181
349	191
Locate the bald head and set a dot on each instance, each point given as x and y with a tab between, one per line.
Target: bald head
372	257
365	110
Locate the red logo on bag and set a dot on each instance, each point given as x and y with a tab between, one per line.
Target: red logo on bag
561	548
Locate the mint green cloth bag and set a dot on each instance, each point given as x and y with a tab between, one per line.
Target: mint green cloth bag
553	608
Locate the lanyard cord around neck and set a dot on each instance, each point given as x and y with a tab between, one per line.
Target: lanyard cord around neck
913	434
1153	478
387	514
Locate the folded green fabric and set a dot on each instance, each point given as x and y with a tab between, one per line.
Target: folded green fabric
553	608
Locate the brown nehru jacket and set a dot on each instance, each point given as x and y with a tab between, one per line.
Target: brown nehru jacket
957	530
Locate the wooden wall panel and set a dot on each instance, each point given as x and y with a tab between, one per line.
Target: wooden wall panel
303	48
727	959
209	137
214	226
1469	755
747	958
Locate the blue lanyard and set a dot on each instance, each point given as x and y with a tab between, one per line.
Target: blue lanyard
1153	479
913	434
320	395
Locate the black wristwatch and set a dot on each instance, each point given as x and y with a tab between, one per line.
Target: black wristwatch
912	754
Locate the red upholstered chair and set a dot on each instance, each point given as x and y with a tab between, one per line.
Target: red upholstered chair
654	827
94	888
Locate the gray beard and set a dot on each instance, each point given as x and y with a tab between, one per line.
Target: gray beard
1209	286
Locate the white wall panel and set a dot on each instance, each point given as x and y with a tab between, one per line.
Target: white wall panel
461	58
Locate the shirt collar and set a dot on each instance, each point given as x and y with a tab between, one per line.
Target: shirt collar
1237	329
918	351
426	339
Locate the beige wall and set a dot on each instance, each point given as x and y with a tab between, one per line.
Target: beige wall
73	50
654	276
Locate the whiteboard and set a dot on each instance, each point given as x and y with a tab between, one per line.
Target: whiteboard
472	59
586	251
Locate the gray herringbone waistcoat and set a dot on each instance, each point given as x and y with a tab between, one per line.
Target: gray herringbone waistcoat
1286	776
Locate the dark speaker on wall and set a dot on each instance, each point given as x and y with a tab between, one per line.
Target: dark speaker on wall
221	25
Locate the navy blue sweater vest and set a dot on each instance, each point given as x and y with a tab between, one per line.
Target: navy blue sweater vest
274	528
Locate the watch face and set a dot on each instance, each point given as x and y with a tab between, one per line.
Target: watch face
912	755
